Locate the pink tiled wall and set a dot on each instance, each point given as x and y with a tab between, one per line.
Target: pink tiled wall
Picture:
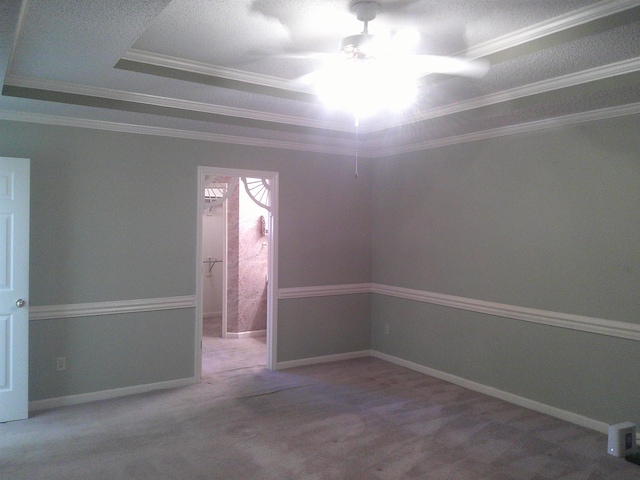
247	257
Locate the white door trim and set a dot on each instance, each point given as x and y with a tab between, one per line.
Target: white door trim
272	286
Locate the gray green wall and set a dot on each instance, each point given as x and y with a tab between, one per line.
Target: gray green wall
113	217
547	220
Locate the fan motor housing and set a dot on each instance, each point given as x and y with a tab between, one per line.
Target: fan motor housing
365	10
356	45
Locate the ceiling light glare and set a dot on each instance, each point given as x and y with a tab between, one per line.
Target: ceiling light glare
364	88
405	40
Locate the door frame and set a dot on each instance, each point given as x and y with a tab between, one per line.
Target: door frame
272	268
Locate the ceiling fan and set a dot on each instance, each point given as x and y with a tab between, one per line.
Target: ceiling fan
375	72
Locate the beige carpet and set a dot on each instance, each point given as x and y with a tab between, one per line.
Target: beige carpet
358	419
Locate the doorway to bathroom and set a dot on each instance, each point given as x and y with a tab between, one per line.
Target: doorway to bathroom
236	270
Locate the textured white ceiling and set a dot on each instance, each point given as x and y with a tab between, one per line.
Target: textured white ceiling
225	67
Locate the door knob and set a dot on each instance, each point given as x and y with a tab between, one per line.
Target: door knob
20	303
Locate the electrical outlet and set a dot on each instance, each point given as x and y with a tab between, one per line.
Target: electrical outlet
386	329
61	364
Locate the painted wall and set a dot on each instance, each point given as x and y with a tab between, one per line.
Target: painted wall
547	220
114	218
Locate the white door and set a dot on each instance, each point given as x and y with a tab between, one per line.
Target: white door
14	288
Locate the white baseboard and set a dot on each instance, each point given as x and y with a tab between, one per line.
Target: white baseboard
323	359
565	415
107	394
250	334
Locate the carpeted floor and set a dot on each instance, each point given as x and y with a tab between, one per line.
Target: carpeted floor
357	419
229	355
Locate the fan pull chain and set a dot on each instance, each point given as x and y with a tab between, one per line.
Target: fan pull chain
357	124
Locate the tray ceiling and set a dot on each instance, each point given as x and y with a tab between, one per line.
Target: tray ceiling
227	70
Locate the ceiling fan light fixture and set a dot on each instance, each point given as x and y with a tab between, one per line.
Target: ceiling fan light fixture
359	46
365	88
365	11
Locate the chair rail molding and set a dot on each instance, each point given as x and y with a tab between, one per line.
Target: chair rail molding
48	312
612	328
582	323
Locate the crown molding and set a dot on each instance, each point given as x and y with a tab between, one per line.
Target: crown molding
544	86
549	27
366	152
552	26
46	119
191	66
166	102
528	127
557	24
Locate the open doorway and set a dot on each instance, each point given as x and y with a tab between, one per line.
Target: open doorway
236	270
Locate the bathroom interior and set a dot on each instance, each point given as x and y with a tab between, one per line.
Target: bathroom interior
234	242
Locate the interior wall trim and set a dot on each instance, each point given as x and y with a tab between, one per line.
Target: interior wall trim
554	25
529	127
158	101
248	334
324	291
375	151
494	392
108	394
48	312
581	323
622	67
303	362
570	321
46	119
528	34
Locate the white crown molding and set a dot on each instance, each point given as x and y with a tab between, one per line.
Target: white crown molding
170	132
323	291
48	312
166	102
600	326
141	56
529	127
510	40
566	81
554	25
575	18
494	392
366	152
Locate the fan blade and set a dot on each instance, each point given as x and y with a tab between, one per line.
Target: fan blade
305	56
311	79
426	64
